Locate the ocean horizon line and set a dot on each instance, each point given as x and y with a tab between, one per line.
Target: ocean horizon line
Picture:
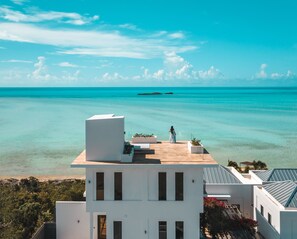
127	87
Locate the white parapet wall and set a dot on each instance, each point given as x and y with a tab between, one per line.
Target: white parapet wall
72	220
270	206
104	138
195	149
283	220
144	140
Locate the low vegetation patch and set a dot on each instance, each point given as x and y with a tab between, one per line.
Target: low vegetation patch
196	142
27	203
221	221
143	135
254	165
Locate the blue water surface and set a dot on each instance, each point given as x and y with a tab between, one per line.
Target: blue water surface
42	129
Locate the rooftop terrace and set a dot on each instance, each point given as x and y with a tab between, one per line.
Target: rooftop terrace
162	153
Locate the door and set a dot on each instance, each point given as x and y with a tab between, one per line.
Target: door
101	226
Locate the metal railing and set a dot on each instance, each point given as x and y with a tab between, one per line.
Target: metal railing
46	231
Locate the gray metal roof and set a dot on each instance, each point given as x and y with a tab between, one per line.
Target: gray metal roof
284	192
263	174
278	174
219	175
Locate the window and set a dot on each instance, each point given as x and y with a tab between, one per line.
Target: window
101	227
262	210
179	186
118	186
162	230
179	230
269	218
162	186
117	230
100	186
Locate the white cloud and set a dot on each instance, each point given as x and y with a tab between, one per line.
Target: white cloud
16	61
113	77
177	68
34	16
177	35
279	76
11	77
262	72
129	26
172	59
159	74
105	52
159	34
211	73
40	74
19	2
67	77
96	43
67	64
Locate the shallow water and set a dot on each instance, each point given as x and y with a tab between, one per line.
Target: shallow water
42	129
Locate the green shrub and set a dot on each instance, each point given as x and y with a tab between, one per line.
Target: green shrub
27	203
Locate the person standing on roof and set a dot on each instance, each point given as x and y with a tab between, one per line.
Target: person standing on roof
172	135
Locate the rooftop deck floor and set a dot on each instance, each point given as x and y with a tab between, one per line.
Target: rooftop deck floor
163	153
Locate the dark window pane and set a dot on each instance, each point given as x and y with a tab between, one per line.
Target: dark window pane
162	230
179	230
162	186
101	227
117	230
100	186
269	218
118	186
179	186
262	210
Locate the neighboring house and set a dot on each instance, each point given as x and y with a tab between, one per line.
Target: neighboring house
154	192
275	203
226	184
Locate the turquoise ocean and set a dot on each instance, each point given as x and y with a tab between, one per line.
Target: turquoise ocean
42	129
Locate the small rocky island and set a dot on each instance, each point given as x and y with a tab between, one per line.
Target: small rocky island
155	93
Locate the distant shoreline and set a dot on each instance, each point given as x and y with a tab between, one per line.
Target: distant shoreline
44	177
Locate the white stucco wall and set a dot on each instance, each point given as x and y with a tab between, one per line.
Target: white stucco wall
265	228
270	205
104	138
140	209
288	225
72	220
241	194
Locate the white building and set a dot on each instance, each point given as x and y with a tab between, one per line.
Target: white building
155	191
275	203
228	185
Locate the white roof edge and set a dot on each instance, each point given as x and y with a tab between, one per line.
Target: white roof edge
255	176
218	195
104	116
119	164
239	176
70	202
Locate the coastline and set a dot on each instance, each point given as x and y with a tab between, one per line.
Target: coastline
43	178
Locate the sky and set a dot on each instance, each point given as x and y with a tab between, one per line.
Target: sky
148	43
